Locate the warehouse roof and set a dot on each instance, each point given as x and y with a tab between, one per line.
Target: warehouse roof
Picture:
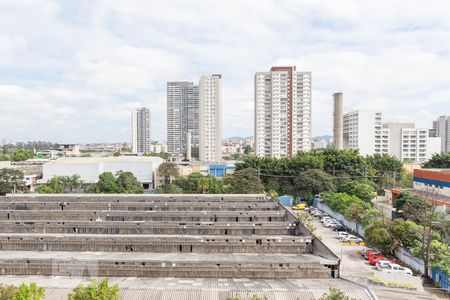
132	288
97	160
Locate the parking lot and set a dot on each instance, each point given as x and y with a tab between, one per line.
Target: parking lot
354	266
352	263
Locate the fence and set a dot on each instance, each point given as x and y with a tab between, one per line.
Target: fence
352	225
441	279
406	257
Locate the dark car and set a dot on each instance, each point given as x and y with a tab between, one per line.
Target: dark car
339	228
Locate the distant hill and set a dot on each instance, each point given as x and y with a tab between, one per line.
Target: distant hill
328	138
238	138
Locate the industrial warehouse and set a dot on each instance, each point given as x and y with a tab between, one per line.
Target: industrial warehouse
218	237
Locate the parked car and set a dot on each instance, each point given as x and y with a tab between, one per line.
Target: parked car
363	251
370	253
397	269
339	227
331	223
352	239
334	225
374	258
318	213
342	234
327	219
382	263
300	206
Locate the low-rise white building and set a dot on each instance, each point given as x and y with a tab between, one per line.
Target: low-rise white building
89	168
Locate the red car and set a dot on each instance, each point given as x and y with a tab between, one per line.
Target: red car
374	258
370	253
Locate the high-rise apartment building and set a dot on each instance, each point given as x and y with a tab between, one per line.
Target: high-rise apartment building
182	118
441	128
282	112
141	130
363	130
210	118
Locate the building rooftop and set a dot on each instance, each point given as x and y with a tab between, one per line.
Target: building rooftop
97	160
132	288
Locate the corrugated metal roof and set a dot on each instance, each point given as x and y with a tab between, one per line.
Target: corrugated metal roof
57	288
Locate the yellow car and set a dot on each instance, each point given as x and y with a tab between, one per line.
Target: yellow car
300	206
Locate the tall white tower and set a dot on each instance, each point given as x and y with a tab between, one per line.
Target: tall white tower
141	130
210	118
282	112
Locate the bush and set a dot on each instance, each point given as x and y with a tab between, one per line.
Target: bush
96	290
7	291
31	292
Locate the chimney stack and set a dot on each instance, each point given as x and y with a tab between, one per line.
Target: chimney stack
338	120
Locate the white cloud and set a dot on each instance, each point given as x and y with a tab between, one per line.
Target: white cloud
73	72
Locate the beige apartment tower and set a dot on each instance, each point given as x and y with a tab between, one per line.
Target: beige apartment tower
282	112
338	120
210	118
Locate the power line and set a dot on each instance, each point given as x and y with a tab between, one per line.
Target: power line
345	177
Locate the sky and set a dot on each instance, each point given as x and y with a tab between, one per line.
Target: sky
72	71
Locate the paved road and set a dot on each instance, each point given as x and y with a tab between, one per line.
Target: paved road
354	266
352	263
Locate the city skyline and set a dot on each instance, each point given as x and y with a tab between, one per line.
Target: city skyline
79	82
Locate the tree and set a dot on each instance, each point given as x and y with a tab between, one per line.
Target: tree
388	170
245	181
169	171
362	189
345	162
423	211
399	203
4	157
163	155
20	155
355	212
96	290
106	184
127	183
10	179
312	182
61	185
404	233
248	149
7	291
378	235
334	294
31	292
340	202
196	183
438	161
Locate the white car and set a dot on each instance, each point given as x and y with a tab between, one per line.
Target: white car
342	234
329	224
326	219
382	264
352	239
397	269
